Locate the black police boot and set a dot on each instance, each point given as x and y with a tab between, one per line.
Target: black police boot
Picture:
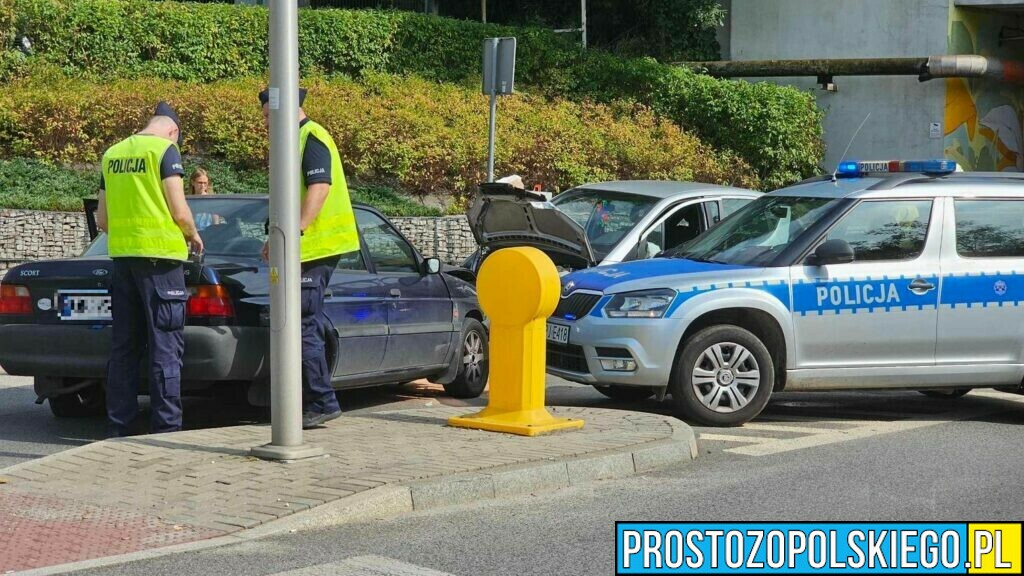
314	419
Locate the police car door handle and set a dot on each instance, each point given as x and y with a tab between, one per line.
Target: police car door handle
920	286
395	293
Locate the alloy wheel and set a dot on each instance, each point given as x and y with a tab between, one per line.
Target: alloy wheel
725	377
473	356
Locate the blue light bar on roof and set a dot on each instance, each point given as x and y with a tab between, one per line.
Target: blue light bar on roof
853	168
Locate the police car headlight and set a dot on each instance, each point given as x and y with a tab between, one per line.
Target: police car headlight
643	304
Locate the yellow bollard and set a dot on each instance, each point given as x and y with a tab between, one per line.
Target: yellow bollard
518	290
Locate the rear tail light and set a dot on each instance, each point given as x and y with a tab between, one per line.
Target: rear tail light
15	300
210	301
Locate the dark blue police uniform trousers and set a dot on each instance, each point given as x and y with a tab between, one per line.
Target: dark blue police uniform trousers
148	304
317	392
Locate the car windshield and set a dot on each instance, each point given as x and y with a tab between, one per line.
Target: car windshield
228	226
756	233
606	217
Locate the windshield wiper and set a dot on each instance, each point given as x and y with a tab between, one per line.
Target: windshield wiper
700	259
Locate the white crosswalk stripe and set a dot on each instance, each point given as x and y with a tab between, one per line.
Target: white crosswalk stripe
364	566
774	434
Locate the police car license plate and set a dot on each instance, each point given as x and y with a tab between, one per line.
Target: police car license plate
558	333
84	305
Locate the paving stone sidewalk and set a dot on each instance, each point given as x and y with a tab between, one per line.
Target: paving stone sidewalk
120	496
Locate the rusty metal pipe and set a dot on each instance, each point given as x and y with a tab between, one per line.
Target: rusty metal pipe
821	67
944	66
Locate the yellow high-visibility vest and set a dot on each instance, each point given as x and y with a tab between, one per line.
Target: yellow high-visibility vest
139	223
334	231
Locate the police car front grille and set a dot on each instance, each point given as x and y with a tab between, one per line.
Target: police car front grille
576	305
567	357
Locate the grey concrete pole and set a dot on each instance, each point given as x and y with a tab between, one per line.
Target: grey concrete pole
285	333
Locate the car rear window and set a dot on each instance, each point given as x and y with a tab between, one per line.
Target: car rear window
229	226
989	228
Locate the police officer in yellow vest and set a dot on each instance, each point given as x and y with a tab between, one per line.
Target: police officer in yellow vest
328	228
149	228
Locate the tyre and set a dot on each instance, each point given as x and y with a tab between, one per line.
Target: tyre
947	394
625	393
85	403
723	376
473	367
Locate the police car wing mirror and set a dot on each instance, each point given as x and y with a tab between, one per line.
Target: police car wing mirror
432	265
835	251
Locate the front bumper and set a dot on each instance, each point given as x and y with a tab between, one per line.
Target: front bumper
652	344
212	353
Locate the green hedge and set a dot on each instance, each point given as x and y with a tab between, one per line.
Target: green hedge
36	185
775	129
407	133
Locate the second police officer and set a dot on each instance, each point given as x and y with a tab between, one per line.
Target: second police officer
328	228
149	228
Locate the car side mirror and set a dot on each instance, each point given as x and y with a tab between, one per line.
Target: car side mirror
432	266
835	251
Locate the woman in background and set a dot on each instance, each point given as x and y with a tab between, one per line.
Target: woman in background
199	185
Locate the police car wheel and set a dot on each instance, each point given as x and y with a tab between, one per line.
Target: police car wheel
85	403
625	393
473	363
949	394
724	376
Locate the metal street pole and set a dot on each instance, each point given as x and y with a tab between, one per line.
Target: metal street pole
285	332
491	87
583	21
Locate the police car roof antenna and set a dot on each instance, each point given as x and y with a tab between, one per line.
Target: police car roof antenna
848	146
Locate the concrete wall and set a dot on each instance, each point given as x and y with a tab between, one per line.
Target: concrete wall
27	235
902	108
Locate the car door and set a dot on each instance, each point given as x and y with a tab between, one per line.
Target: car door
980	317
420	311
880	309
678	225
357	307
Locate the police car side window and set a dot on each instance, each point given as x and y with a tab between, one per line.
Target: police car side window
388	250
989	228
885	230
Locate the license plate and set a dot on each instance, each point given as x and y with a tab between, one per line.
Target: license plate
558	333
84	305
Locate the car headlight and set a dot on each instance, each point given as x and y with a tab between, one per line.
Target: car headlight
642	304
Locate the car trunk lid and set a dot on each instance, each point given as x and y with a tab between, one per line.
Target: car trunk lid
503	216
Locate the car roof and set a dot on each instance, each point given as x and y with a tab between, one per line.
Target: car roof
956	184
663	188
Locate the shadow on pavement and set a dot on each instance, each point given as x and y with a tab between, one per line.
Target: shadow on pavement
25	425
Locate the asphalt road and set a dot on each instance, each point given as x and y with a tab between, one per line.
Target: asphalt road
818	456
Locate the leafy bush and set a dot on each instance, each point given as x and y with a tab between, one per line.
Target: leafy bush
6	23
409	133
35	185
775	129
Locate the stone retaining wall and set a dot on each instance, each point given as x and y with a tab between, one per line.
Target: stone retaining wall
27	235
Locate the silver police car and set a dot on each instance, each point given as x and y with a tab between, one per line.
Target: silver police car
902	274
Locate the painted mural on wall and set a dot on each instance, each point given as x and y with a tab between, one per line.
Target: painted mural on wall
984	120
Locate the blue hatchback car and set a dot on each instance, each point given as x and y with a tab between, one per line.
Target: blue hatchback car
397	316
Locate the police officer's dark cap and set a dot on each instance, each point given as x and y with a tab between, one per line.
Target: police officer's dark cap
164	109
265	96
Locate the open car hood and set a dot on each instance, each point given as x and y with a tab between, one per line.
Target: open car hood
503	216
